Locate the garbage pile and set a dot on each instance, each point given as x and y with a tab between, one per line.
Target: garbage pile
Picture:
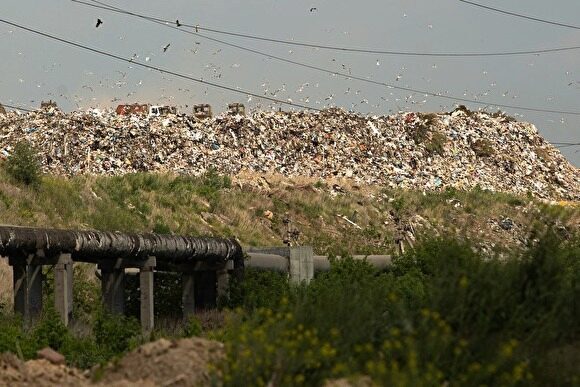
461	149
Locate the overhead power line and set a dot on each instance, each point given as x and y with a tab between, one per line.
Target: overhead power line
198	28
328	71
15	107
162	70
565	144
536	19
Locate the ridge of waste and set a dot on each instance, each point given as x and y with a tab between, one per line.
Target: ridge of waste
425	151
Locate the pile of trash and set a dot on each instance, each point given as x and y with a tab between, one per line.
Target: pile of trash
425	151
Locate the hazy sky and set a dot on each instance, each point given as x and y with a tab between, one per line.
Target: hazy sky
34	68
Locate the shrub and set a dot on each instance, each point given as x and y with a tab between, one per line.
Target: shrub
115	334
258	289
352	321
192	327
23	164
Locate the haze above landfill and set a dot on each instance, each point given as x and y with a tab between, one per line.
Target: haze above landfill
40	68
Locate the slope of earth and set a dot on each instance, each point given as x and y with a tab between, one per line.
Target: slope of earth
335	217
461	149
185	362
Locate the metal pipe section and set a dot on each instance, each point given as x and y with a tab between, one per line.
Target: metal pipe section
267	262
94	246
321	262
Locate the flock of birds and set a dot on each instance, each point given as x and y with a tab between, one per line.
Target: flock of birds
303	91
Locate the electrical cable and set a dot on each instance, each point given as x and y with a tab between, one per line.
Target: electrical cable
162	70
332	72
520	15
198	28
564	144
16	107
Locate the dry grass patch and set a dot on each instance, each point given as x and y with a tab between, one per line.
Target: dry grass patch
6	287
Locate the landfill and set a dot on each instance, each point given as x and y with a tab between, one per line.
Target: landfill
426	151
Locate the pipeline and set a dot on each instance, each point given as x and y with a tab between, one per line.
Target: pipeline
93	246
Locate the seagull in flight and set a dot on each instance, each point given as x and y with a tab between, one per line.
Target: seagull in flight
99	22
313	9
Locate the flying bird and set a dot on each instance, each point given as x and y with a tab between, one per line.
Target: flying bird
99	22
166	47
313	9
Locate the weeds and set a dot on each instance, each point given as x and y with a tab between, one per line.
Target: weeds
23	165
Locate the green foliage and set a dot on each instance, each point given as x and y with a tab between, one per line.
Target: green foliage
23	165
439	314
160	227
50	331
258	289
192	327
115	334
80	352
86	294
210	184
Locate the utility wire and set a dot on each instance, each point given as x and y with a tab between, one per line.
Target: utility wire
16	107
162	70
198	28
328	71
564	144
520	15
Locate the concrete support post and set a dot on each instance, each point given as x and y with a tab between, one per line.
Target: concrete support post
188	294
113	289
301	262
27	288
63	283
223	280
147	298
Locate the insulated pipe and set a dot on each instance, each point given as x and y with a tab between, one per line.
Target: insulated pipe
320	262
93	246
380	262
267	262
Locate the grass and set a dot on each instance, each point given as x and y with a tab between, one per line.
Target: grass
213	205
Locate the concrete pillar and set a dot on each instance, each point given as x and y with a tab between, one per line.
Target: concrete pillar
147	298
113	289
27	287
63	283
301	264
223	280
188	295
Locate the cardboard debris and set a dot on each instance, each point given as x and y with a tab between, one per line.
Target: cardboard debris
460	149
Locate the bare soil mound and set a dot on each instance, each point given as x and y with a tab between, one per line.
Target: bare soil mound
14	372
185	362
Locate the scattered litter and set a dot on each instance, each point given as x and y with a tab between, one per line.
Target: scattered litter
349	221
506	223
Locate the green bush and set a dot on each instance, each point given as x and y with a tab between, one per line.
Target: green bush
210	184
115	334
258	289
192	327
441	314
23	164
